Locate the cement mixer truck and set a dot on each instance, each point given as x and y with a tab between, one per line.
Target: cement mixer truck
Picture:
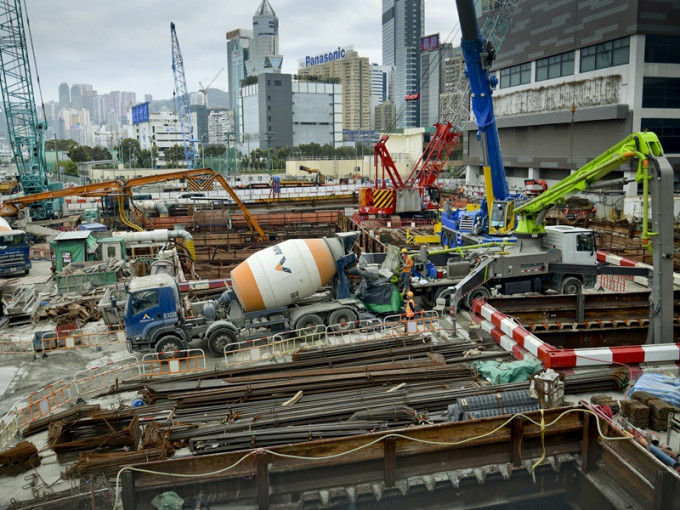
274	290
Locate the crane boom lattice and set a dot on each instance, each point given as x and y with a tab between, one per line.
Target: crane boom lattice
182	101
26	130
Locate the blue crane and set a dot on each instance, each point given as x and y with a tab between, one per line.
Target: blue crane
26	130
182	102
496	214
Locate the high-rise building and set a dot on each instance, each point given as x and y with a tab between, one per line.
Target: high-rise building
354	73
64	96
379	80
575	79
433	54
403	23
264	54
238	52
76	97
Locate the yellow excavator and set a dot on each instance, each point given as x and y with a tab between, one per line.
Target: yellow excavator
319	178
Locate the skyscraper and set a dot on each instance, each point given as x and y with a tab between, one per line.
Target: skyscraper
403	23
238	52
64	96
264	57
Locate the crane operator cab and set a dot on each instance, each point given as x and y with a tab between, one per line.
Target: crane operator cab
502	217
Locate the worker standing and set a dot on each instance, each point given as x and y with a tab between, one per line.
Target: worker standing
410	324
406	266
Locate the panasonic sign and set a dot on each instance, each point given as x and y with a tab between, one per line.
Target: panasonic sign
338	54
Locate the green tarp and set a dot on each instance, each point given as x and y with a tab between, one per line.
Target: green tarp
502	373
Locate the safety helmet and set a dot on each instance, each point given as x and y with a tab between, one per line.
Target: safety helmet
409	294
404	250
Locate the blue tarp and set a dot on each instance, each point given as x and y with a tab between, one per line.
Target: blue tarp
662	386
92	227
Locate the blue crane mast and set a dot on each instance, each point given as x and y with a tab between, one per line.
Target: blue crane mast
182	102
496	215
26	131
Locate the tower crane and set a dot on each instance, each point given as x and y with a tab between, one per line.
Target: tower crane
26	130
182	102
204	89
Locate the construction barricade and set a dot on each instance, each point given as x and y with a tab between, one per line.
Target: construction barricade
39	404
110	375
421	322
157	364
51	341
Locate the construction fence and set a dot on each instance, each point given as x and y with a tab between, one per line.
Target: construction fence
98	380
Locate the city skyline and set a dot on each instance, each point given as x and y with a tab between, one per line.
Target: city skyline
131	52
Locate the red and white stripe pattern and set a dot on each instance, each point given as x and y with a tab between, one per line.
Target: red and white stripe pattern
507	343
615	260
511	336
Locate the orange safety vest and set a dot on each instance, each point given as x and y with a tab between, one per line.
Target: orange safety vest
410	308
407	263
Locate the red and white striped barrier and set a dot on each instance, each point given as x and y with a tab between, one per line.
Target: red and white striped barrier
616	260
551	357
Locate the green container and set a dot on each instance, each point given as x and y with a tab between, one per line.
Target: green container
80	283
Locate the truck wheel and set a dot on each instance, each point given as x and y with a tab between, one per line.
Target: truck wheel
342	319
443	293
571	285
310	322
169	344
219	340
478	293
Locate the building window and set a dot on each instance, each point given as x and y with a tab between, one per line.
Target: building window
603	55
662	49
516	75
661	92
555	66
668	131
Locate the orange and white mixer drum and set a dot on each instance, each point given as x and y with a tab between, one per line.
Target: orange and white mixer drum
285	273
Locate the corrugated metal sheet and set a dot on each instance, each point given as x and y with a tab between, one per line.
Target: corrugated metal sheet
73	235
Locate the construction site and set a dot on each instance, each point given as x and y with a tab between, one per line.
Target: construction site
415	341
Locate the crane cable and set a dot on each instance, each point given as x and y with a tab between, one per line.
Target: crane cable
35	64
425	76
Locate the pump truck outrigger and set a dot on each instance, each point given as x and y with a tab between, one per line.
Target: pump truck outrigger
274	290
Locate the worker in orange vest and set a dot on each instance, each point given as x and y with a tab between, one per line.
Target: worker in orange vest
410	305
406	266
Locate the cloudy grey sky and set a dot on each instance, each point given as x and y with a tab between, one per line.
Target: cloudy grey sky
125	45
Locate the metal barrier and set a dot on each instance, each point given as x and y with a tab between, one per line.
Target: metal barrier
13	344
421	322
101	378
52	341
173	363
360	331
43	402
613	282
9	428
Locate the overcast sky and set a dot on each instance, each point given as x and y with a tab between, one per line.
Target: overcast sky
125	45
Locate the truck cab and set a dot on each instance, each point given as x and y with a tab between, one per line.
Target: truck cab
153	310
576	244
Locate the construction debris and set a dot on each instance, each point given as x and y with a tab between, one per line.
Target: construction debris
21	458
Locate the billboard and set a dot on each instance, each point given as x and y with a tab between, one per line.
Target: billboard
429	42
140	113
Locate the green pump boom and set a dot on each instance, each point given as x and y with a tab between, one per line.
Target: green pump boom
641	145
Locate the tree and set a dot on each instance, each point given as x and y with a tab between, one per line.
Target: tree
173	155
70	168
100	153
79	154
129	149
211	151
